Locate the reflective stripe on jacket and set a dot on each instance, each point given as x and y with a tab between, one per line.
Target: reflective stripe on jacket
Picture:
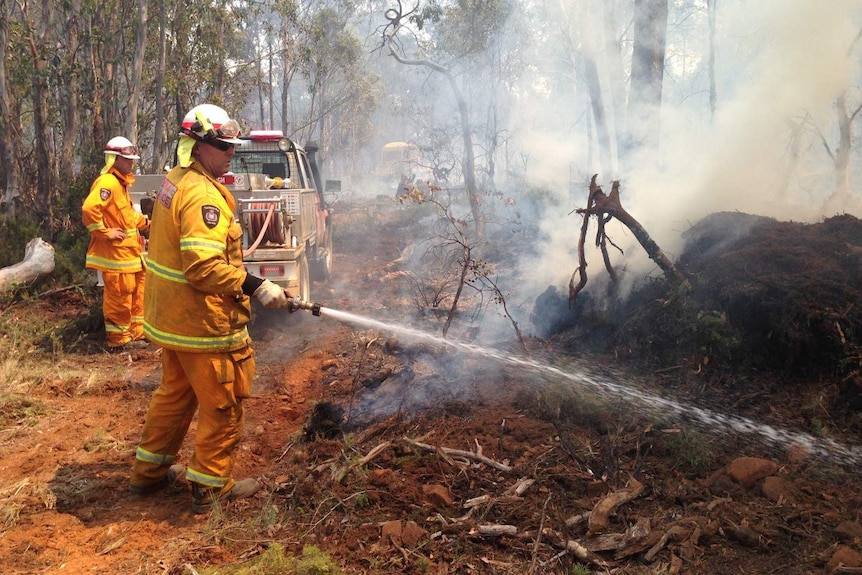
193	298
109	205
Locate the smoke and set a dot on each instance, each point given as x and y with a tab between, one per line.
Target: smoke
780	65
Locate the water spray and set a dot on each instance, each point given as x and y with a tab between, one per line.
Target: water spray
296	303
606	386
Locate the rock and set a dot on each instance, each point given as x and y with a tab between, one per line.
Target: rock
848	531
843	556
381	477
401	534
390	532
798	454
743	534
721	485
412	534
778	489
746	471
437	495
329	364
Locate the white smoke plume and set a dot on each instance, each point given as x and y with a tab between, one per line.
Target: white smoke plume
777	62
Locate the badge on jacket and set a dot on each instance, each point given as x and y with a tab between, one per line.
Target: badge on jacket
104	193
211	215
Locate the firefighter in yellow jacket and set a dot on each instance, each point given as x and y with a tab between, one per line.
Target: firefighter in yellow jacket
197	305
115	244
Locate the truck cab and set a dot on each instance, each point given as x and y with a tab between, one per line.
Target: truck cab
287	226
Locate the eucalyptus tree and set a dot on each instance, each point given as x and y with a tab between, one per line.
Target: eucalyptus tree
273	28
848	106
312	80
9	173
208	57
38	40
340	92
647	73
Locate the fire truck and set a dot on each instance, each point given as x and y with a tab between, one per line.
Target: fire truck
286	223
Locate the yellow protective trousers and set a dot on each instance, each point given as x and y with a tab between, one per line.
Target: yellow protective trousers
214	384
123	306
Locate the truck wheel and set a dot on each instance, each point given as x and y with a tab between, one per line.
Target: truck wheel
304	279
323	261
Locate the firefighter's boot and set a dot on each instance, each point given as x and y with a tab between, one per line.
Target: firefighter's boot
203	498
175	472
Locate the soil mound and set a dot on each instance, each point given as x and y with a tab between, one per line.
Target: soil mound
766	298
790	291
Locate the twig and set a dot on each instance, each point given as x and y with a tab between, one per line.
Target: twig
495	530
460	453
521	487
500	440
283	453
337	476
539	536
598	519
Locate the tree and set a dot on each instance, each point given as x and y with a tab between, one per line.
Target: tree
647	74
131	125
40	44
158	141
9	180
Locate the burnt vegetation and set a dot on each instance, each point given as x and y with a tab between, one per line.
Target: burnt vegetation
778	301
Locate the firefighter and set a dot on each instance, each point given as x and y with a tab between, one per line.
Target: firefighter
197	306
115	245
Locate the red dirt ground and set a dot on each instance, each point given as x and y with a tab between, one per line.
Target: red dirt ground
472	467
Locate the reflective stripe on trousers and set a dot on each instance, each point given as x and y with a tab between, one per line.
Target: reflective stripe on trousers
123	306
214	384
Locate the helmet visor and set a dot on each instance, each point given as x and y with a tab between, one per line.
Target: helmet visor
130	152
229	132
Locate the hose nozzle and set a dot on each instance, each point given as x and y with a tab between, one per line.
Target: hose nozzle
297	303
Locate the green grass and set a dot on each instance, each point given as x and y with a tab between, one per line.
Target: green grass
274	561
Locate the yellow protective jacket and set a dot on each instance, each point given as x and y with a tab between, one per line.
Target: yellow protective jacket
109	205
193	299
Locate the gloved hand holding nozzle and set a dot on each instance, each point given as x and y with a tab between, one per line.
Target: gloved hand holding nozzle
271	295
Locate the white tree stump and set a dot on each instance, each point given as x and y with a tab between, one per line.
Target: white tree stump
38	261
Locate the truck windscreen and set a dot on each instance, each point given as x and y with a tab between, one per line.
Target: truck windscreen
272	164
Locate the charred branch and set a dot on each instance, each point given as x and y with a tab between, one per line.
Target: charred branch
604	208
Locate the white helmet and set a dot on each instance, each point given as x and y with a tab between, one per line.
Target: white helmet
120	146
209	122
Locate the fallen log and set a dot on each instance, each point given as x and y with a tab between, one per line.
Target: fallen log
38	262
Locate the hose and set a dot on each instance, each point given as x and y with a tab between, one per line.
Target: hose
260	227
